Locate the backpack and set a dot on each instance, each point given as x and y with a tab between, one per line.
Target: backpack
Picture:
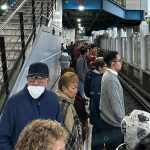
75	136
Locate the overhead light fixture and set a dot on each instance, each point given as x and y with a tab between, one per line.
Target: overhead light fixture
78	20
79	25
81	7
4	6
81	28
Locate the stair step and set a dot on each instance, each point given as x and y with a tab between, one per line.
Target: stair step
9	67
14	49
14	33
16	26
11	59
12	44
13	40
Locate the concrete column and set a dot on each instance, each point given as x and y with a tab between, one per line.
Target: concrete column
143	54
129	32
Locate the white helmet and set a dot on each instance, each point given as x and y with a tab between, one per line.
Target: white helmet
135	127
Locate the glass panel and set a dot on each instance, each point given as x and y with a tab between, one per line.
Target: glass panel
120	2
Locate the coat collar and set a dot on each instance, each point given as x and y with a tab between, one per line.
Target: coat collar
112	71
64	97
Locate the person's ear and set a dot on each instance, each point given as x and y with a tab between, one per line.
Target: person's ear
112	64
63	88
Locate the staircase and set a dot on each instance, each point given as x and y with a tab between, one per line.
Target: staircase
12	34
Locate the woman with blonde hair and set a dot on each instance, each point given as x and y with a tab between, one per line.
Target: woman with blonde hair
68	86
42	135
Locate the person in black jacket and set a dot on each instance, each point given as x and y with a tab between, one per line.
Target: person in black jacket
33	102
92	89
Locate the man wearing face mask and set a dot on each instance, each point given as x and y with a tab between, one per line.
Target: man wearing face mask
33	102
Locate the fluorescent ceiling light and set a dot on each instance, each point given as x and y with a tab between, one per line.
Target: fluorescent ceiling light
81	7
4	6
78	20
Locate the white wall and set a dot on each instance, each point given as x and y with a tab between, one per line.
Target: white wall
68	36
148	7
144	29
137	4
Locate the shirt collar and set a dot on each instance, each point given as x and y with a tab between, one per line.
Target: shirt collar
113	71
96	71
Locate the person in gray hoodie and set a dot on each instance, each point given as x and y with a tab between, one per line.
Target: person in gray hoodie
112	109
82	69
65	60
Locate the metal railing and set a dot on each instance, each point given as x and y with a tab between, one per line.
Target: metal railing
29	15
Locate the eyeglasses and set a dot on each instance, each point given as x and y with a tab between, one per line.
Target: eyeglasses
119	60
40	81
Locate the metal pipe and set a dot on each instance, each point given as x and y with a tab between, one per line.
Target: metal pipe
4	64
33	18
41	17
22	35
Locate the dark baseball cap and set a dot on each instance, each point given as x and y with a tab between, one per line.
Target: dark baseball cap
39	70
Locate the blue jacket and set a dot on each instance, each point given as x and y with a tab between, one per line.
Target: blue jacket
92	89
22	109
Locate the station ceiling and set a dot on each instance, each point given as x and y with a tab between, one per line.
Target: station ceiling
98	18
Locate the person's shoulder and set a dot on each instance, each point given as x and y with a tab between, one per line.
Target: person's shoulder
89	73
51	94
108	78
17	96
15	99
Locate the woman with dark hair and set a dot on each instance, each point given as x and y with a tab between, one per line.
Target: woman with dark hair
42	135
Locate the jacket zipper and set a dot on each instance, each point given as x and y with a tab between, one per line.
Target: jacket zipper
38	109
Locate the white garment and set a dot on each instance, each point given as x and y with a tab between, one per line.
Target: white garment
135	127
65	60
113	71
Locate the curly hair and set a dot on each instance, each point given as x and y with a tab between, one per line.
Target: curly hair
40	135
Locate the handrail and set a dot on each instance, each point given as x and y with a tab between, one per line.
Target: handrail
53	85
48	18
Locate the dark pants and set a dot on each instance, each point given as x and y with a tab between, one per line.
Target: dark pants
109	135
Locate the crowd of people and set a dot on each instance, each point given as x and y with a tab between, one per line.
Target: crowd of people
39	119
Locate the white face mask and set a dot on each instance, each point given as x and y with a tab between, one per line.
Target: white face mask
36	91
